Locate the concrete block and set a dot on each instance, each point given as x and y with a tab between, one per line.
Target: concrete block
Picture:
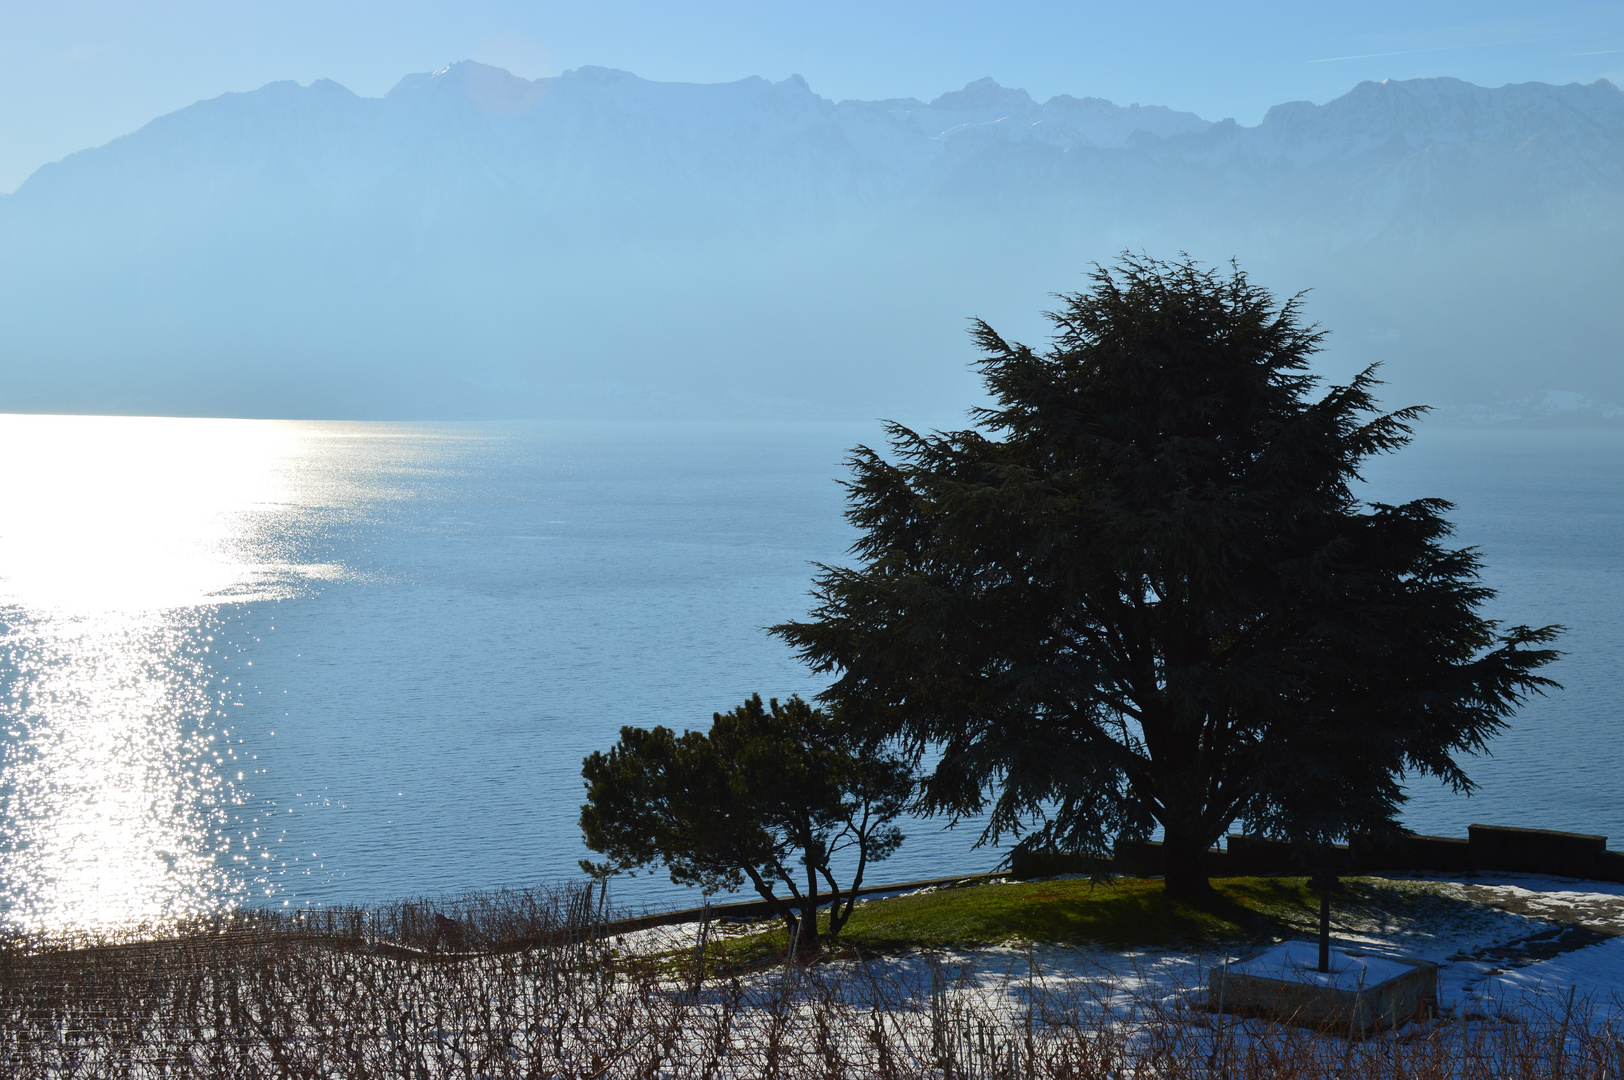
1253	855
1362	992
1261	855
1142	857
1610	867
1026	865
1536	851
1411	852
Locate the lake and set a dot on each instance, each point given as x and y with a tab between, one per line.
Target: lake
296	663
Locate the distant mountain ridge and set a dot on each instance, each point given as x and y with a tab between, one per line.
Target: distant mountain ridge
473	243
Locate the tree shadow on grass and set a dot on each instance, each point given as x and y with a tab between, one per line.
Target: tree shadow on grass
1136	913
1114	913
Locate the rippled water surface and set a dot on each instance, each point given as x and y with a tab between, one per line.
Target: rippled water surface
292	663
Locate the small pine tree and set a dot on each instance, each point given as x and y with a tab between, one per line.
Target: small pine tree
775	794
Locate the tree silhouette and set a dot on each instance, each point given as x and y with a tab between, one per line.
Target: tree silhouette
1141	590
774	794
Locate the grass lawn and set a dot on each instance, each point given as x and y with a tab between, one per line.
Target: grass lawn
1130	912
1074	911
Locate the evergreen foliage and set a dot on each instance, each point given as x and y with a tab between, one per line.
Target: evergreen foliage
775	794
1142	591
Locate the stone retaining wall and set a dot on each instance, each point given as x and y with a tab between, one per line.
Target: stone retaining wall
1487	847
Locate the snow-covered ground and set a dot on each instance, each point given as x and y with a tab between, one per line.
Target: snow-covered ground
1504	943
1530	970
1298	962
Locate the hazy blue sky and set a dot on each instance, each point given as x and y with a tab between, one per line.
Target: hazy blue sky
77	73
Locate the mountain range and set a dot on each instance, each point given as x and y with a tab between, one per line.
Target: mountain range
473	244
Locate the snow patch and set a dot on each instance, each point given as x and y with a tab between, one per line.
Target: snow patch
1298	961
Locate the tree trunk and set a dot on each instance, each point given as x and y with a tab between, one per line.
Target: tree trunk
806	941
1185	870
806	947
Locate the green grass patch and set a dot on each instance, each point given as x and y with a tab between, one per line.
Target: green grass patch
1116	912
1069	912
1122	913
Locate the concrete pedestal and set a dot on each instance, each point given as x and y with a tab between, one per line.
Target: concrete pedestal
1361	993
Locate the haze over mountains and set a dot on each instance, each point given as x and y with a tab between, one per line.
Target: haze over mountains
475	244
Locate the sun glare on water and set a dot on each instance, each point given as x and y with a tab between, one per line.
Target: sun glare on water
117	514
119	537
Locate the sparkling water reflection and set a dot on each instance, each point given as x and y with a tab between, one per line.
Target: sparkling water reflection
137	514
116	772
120	538
299	663
471	608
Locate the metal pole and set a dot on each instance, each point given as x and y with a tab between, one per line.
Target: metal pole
1324	879
1325	926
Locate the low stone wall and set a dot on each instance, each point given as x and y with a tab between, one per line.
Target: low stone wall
1538	851
1486	848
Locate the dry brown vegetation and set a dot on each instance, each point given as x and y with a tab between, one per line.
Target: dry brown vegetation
526	987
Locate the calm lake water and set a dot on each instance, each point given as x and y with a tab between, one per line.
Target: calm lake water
295	663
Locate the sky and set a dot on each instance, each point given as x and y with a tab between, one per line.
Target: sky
78	73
